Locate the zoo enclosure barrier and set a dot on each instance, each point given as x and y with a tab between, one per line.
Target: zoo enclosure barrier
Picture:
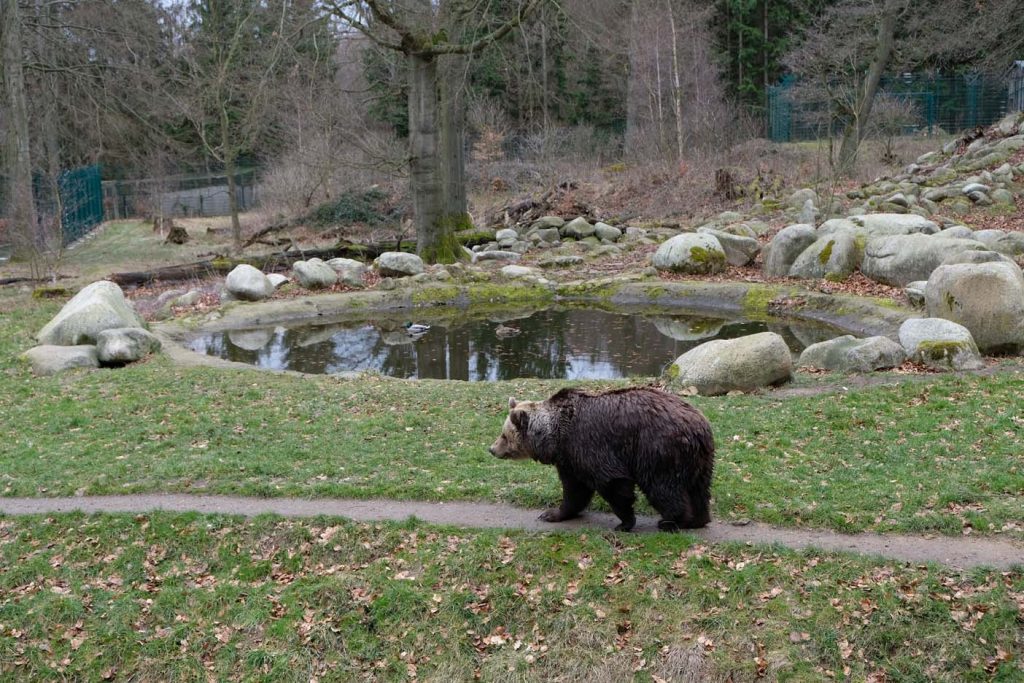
182	195
940	103
78	196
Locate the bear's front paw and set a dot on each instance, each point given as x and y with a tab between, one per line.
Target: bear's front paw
626	526
552	515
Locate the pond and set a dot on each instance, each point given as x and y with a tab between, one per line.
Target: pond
553	343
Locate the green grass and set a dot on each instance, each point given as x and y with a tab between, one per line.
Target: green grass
942	455
189	597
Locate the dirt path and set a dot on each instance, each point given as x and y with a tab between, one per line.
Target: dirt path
961	553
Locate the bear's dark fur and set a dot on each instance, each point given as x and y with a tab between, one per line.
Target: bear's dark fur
613	441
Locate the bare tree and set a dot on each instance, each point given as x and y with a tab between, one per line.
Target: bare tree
428	35
19	151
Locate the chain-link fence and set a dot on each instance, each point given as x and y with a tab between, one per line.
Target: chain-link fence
195	195
935	104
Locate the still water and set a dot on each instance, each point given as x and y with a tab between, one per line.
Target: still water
555	343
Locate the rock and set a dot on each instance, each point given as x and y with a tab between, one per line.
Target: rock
635	233
99	306
740	229
981	256
125	345
956	231
986	298
350	272
743	364
797	200
498	255
808	214
517	272
785	247
739	250
728	217
506	234
607	232
849	354
561	261
49	359
915	293
901	259
940	344
833	257
314	274
276	279
545	222
550	235
1002	196
1009	243
246	283
899	199
885	224
190	298
690	253
975	187
577	228
400	264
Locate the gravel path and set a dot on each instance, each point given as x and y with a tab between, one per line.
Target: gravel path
961	553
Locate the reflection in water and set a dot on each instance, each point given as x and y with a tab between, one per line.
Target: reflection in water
555	343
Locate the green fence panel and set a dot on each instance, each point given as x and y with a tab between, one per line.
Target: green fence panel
81	193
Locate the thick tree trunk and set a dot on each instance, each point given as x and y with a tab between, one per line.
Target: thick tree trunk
452	141
435	241
856	128
21	200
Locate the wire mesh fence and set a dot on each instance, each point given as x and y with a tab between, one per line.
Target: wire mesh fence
189	196
75	196
936	104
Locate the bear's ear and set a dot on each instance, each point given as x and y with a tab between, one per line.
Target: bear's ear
520	419
511	403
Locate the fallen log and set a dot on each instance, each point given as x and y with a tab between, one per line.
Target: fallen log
269	263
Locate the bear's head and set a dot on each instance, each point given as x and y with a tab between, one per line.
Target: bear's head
515	442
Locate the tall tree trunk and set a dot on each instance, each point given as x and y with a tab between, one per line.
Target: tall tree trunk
455	214
50	138
677	90
856	128
229	170
633	126
19	155
433	242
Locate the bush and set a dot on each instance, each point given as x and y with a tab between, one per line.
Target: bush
371	208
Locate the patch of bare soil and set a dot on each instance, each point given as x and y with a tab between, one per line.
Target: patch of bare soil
961	553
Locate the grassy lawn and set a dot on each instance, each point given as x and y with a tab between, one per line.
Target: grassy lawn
942	455
188	597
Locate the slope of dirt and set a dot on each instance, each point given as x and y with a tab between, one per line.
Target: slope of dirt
961	553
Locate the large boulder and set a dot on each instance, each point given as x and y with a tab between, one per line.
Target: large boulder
902	259
248	283
690	253
743	364
399	264
940	344
50	360
739	250
986	298
577	228
314	274
99	306
833	257
785	247
887	224
350	272
125	345
850	354
603	231
1009	243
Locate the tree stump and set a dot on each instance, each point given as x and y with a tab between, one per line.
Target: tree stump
725	184
176	235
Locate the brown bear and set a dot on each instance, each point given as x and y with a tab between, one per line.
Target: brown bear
613	441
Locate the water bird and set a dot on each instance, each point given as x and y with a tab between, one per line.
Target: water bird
503	331
416	329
